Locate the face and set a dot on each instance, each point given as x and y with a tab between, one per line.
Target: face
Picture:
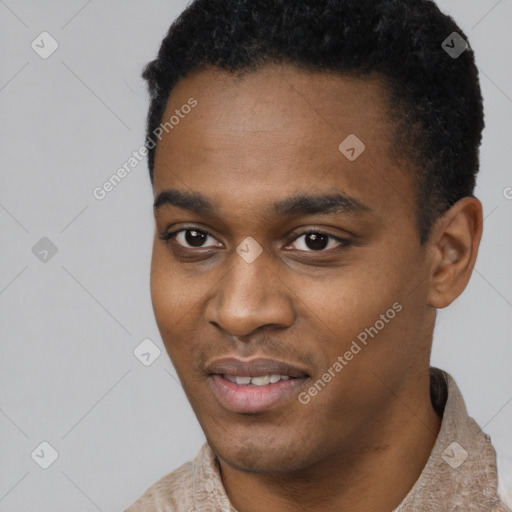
276	252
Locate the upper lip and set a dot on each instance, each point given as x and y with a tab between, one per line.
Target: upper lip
253	367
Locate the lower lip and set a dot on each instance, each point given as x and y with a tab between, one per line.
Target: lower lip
252	399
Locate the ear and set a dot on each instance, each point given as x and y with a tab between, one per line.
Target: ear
453	246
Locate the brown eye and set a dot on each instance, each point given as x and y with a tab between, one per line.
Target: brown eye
190	238
194	238
316	241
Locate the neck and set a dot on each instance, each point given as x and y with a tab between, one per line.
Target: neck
376	476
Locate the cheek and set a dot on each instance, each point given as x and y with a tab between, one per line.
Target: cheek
348	301
168	296
178	302
368	313
164	287
173	290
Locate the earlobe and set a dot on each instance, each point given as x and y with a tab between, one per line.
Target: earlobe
454	243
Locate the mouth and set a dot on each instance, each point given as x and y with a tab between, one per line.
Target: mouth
255	385
257	381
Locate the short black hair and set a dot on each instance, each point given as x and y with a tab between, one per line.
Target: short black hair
435	98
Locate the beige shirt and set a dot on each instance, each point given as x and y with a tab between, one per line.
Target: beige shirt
460	475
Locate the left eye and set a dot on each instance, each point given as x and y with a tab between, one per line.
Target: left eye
317	241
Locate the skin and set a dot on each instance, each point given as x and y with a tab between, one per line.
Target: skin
252	141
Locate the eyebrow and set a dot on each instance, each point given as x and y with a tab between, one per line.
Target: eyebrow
301	204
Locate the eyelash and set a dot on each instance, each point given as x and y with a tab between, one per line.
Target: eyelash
344	242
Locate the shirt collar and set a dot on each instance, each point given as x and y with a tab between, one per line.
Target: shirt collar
461	470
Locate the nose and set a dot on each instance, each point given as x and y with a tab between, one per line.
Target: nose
250	296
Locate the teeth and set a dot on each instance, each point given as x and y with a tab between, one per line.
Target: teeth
260	380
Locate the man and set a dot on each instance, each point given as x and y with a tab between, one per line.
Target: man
313	165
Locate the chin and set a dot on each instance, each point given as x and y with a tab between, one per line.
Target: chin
266	457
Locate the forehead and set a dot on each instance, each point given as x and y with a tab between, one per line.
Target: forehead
278	130
278	100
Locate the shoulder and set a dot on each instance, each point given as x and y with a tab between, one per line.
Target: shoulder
172	492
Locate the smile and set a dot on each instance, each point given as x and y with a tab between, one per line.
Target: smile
254	385
260	380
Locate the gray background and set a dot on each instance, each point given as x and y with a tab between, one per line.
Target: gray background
70	324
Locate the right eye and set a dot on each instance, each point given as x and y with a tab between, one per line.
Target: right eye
189	238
